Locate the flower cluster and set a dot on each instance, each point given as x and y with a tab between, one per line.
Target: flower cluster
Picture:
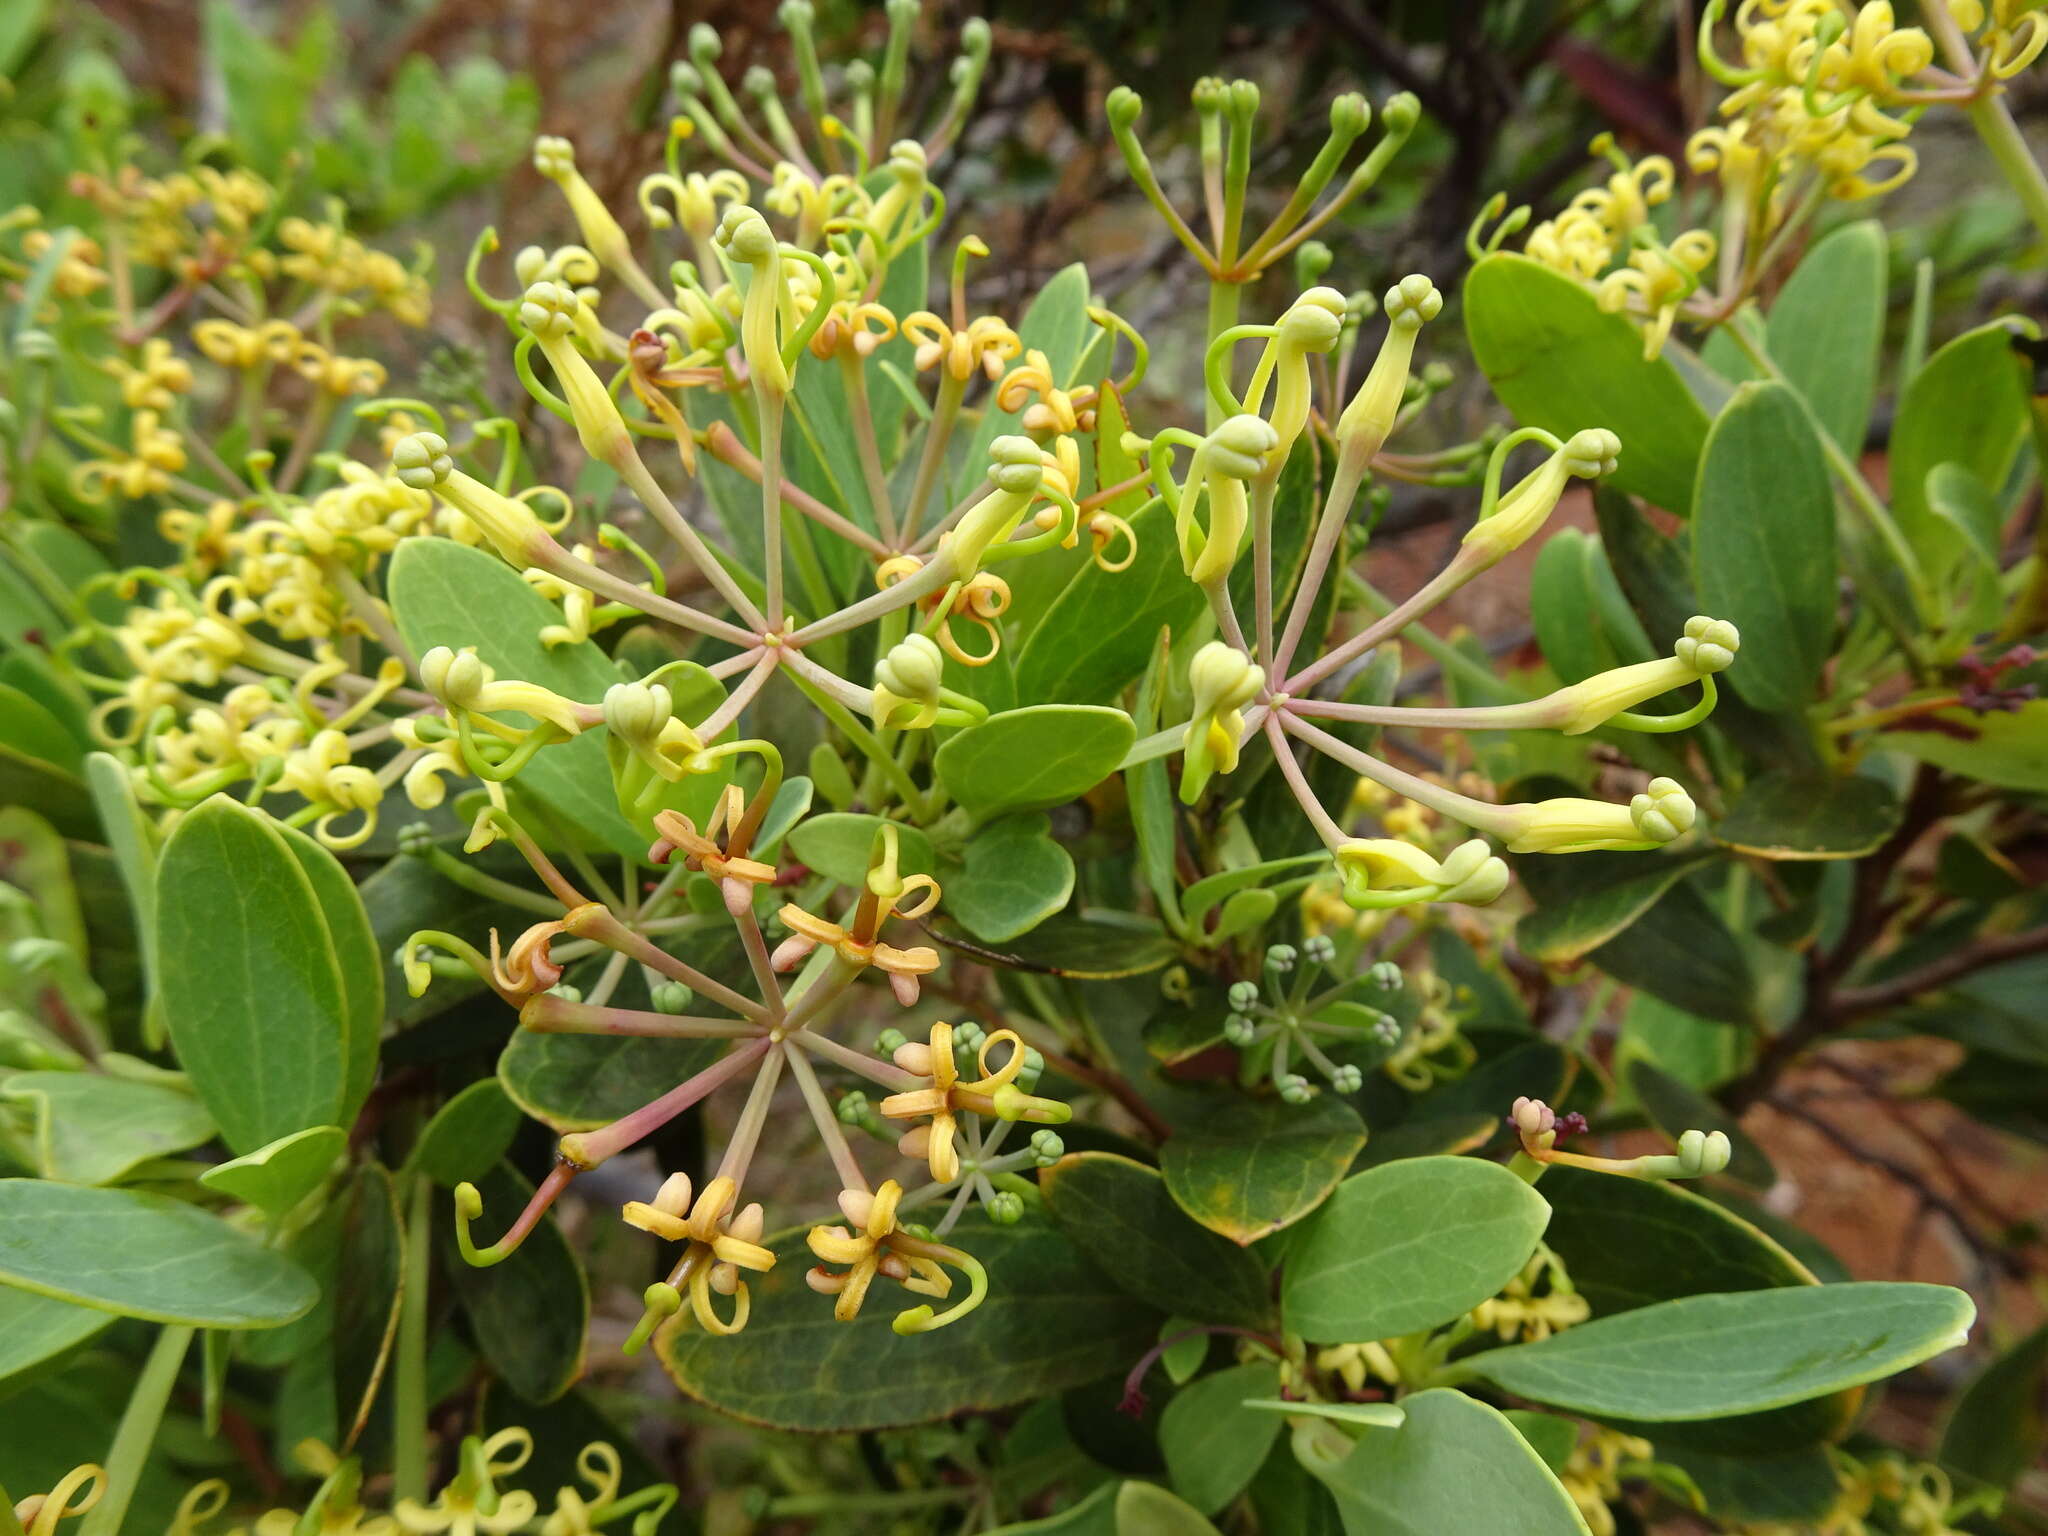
783	1029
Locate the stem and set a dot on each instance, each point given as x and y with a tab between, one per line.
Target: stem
746	1134
875	1070
409	1368
593	1147
936	436
856	378
137	1431
1283	753
771	505
829	1130
1224	298
1344	483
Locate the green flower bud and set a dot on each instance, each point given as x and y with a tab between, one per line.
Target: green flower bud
1350	115
1243	994
565	992
1347	1078
1005	1208
890	1041
456	678
1709	645
553	157
907	684
549	310
1047	1148
1386	975
1280	957
1662	812
1320	948
1239	1030
1400	114
1123	106
636	712
422	460
670	997
853	1107
416	838
1294	1088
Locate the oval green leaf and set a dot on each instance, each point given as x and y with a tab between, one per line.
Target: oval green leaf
1257	1166
277	1177
1052	1320
1454	1465
1707	1357
91	1129
530	1314
140	1255
1763	545
1407	1246
1014	877
1214	1442
251	988
1033	758
1794	816
1120	1215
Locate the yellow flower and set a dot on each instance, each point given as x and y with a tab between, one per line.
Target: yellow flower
1234	453
985	343
472	1503
860	945
154	455
155	379
242	346
77	1491
878	1245
1224	680
1660	814
1657	279
722	1241
1385	872
993	1093
1520	512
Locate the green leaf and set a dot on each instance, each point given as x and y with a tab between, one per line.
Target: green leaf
1095	1515
1051	1320
1792	816
1454	1465
1582	621
1994	1432
1015	877
251	988
1210	889
1549	1435
1119	1214
277	1177
444	593
1099	632
579	1082
1827	325
356	953
1676	1107
1706	1357
35	1329
92	1129
1033	758
1146	1509
1795	1489
1679	950
31	729
145	1256
1631	1243
1092	945
1558	362
1373	1415
466	1136
58	796
1409	1246
529	1314
837	844
1257	1166
1213	1443
1967	406
1606	894
2008	750
1763	545
368	1288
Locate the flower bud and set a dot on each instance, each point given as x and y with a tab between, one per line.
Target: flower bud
1294	1088
422	460
1368	420
549	310
1386	975
1243	994
636	712
1571	825
1047	1148
1280	957
1709	645
1663	812
1239	1030
1005	1208
1223	680
1522	511
1347	1078
1123	106
1350	115
1703	1152
907	684
456	678
670	997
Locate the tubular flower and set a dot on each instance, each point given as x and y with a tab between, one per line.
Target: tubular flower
993	1093
1311	326
1369	419
1224	680
1657	279
155	453
982	345
1659	815
907	690
549	313
155	379
423	462
1707	647
878	1245
768	311
702	852
1699	1152
240	346
1234	453
465	684
860	945
1379	873
722	1241
1516	516
555	158
473	1503
1017	467
1054	410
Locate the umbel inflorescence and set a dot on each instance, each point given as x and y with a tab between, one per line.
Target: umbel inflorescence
794	322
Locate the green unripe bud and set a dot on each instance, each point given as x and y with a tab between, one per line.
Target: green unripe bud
670	997
1005	1208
